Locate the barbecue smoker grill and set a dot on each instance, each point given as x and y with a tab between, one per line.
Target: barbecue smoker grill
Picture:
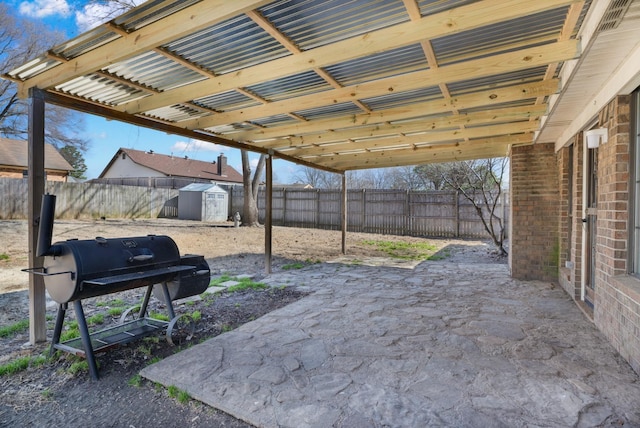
78	269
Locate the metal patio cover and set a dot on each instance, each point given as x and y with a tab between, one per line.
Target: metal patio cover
333	84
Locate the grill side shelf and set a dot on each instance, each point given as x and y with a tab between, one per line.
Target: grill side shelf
135	276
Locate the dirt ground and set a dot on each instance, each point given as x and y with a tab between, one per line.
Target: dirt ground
53	394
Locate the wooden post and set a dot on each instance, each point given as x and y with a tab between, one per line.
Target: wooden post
36	179
344	213
364	211
268	215
407	215
457	208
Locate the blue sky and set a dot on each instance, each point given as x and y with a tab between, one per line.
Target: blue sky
106	137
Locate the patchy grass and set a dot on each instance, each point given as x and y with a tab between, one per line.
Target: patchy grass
136	381
246	284
158	316
217	281
21	363
95	319
13	329
290	266
4	256
114	302
78	367
408	250
71	333
177	393
196	316
115	312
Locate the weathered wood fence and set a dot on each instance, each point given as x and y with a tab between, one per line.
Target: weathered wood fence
89	200
392	212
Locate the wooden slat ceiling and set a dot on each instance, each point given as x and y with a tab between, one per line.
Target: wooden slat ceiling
334	84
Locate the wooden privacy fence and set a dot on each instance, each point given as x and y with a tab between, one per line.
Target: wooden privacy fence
392	212
89	200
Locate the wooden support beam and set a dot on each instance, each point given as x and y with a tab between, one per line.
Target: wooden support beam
268	218
409	140
428	123
37	180
343	212
472	149
96	109
445	105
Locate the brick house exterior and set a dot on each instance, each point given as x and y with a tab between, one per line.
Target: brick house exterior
14	161
547	218
129	163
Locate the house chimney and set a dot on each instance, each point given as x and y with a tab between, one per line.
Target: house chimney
222	164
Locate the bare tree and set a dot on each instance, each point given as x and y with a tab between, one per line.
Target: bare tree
405	178
20	41
318	178
251	187
480	182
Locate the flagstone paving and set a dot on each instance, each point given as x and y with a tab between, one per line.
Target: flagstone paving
432	344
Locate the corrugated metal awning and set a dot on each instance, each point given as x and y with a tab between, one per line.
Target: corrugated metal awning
337	84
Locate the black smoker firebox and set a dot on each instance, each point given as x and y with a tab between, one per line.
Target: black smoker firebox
78	269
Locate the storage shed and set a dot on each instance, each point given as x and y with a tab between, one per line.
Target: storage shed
204	202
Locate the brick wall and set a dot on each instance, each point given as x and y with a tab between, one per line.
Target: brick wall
535	213
570	213
18	173
617	302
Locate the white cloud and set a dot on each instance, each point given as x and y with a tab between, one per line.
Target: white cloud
196	146
44	8
94	14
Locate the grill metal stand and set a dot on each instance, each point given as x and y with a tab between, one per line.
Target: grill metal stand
88	344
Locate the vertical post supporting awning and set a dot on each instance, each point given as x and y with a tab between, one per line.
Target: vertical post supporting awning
36	178
344	213
268	218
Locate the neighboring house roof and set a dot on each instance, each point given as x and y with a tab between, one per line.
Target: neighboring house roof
15	153
175	166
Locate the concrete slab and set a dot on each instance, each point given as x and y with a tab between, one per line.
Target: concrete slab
213	289
439	345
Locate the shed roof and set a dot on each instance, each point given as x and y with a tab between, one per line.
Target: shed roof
15	153
336	84
203	187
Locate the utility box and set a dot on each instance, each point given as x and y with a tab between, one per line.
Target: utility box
204	202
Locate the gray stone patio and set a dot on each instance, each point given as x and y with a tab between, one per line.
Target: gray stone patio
437	344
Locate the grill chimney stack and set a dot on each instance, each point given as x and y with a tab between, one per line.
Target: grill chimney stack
45	228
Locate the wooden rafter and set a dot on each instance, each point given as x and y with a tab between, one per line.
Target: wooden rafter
430	138
486	117
479	99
